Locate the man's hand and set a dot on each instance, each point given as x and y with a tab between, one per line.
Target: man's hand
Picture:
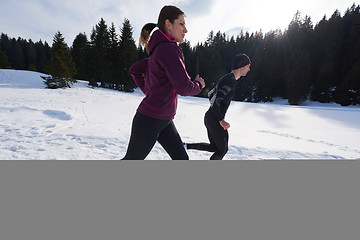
225	125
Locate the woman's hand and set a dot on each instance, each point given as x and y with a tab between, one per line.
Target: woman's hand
200	80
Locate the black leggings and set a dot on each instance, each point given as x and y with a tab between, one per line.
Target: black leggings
144	133
218	137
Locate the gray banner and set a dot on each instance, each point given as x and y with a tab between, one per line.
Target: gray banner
179	200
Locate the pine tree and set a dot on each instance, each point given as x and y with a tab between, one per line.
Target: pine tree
78	53
42	55
129	54
348	91
99	66
3	60
189	64
60	66
323	62
114	59
299	65
299	80
5	47
30	55
16	54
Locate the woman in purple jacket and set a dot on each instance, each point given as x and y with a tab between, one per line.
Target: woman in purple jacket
161	77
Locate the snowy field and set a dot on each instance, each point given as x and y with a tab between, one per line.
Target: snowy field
82	123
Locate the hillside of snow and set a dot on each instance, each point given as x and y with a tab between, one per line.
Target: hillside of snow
81	123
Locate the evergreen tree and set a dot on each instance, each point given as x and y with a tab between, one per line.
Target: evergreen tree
4	42
299	65
42	55
3	60
324	70
16	54
78	53
348	91
187	51
257	76
5	47
115	60
99	65
60	66
299	80
273	65
30	55
129	54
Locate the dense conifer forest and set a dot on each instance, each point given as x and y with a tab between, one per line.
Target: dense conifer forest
318	62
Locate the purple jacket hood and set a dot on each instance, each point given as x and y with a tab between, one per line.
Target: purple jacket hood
159	37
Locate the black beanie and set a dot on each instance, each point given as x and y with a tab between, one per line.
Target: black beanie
239	61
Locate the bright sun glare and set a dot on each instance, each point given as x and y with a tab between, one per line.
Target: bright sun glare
233	16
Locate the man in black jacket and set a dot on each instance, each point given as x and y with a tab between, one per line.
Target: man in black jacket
220	98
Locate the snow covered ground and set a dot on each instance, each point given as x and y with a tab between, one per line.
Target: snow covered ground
82	123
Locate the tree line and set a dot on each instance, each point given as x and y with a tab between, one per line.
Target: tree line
320	63
103	59
22	54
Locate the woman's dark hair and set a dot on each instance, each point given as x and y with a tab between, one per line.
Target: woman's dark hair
167	12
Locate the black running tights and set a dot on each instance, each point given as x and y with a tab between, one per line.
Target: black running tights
218	137
146	131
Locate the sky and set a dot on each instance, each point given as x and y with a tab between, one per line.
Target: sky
41	19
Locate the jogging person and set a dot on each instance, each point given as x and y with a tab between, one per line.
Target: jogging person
161	77
220	98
